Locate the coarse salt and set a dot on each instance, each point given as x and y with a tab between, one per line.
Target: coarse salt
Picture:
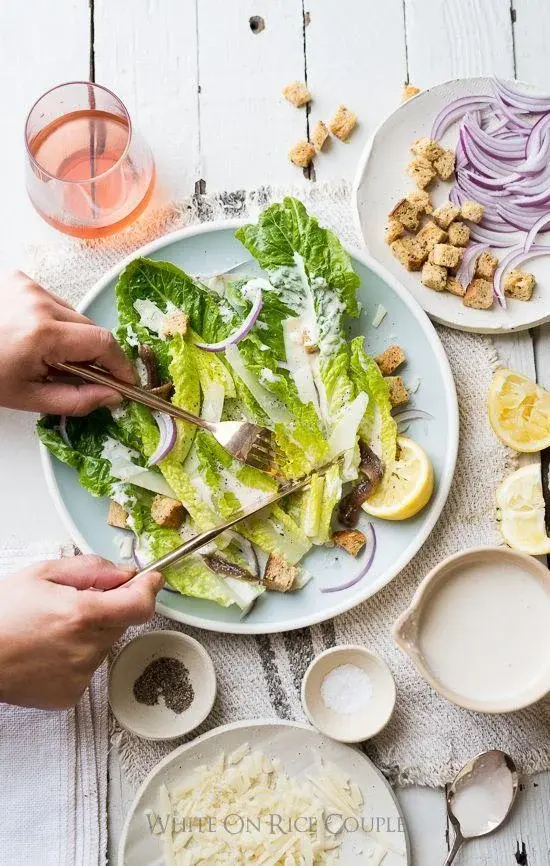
347	689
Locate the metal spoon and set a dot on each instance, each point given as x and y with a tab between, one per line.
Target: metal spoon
481	798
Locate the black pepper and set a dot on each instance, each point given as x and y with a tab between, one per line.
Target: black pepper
167	678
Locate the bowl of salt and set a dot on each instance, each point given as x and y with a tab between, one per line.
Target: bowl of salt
348	693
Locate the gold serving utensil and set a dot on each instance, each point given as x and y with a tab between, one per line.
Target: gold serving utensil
245	441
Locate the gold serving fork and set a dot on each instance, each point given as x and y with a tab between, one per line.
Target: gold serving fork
245	441
209	535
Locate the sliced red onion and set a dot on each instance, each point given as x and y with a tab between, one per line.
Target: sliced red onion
63	431
412	415
136	554
511	115
465	272
241	332
523	101
493	239
247	549
533	232
369	557
168	433
455	110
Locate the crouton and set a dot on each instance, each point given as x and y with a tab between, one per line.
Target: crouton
319	135
176	323
445	255
409	90
343	123
460	253
407	214
390	359
167	512
350	540
427	148
302	153
420	198
394	230
519	285
445	164
279	575
397	390
297	94
421	171
430	235
445	214
409	253
479	294
434	277
459	234
472	211
117	516
486	266
454	287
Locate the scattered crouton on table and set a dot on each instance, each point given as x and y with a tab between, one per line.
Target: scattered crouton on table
351	540
519	285
390	359
279	575
117	516
302	153
409	90
421	171
167	512
319	135
479	294
434	277
343	123
297	94
397	391
445	214
459	234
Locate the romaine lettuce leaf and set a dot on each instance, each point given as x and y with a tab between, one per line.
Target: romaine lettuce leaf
378	428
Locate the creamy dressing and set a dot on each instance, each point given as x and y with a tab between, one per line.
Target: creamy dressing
120	459
247	496
152	317
484	632
483	797
273	407
300	362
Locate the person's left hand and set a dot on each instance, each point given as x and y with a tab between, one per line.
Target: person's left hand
38	329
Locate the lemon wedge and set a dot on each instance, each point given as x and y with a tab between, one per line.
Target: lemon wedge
405	488
520	510
519	411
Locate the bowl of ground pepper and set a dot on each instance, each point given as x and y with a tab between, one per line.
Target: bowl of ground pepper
162	685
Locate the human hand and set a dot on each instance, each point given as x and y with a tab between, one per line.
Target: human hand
38	329
58	620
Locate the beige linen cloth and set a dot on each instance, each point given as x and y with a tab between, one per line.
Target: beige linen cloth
428	739
53	767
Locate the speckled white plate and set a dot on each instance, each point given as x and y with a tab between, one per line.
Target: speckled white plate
213	248
299	748
381	181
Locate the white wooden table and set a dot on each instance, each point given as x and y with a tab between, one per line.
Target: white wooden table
205	91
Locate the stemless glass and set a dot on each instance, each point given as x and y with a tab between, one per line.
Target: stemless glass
89	173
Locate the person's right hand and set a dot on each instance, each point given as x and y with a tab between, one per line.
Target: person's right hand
39	329
58	620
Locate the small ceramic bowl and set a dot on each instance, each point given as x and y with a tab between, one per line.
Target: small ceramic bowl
358	725
158	722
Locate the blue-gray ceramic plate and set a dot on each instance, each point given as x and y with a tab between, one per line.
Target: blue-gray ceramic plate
211	249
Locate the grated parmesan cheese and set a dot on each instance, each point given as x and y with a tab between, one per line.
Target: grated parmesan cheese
379	316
